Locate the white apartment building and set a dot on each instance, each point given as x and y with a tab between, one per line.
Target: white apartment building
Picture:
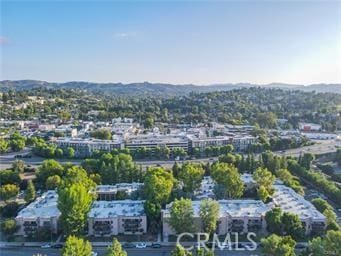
239	216
109	192
86	147
43	212
152	141
290	201
108	218
204	142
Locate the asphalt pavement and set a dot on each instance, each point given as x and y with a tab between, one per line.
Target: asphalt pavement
165	251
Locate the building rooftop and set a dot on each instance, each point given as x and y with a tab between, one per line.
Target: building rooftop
44	206
232	208
110	209
88	141
290	201
156	139
127	187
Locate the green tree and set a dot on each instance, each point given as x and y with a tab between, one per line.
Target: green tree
228	176
49	168
338	156
30	193
275	245
8	191
115	249
74	202
209	214
53	182
306	160
182	216
17	141
3	146
59	153
102	134
18	166
8	226
148	123
321	204
158	185
191	176
180	251
292	225
9	177
70	153
274	220
76	247
263	194
264	180
329	245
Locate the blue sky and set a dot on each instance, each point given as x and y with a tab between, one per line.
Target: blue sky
177	42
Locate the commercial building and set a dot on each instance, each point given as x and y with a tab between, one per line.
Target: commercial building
151	141
203	142
110	192
86	147
239	216
309	127
108	218
290	201
42	213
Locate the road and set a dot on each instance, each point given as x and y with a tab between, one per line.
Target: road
320	147
29	251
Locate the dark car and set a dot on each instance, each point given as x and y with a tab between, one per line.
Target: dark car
156	245
128	245
57	246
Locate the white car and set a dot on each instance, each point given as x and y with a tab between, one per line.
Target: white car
141	245
94	253
46	246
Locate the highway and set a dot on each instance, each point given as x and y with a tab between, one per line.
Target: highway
320	147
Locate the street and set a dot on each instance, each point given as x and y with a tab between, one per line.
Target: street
165	251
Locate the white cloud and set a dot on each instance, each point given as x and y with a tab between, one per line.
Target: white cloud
125	34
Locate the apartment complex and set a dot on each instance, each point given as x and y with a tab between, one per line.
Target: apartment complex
86	147
42	213
289	201
108	218
239	216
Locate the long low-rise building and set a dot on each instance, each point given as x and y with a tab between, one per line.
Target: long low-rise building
153	141
110	192
42	213
290	201
108	218
86	147
239	216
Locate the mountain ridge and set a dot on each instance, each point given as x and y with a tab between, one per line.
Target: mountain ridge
158	88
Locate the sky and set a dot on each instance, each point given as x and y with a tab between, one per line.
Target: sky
181	42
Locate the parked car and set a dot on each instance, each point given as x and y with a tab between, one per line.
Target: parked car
141	245
46	246
156	245
128	245
57	246
94	253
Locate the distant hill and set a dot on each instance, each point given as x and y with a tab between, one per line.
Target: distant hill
161	89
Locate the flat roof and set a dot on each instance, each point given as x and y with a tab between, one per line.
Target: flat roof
44	206
111	209
290	201
232	208
117	187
